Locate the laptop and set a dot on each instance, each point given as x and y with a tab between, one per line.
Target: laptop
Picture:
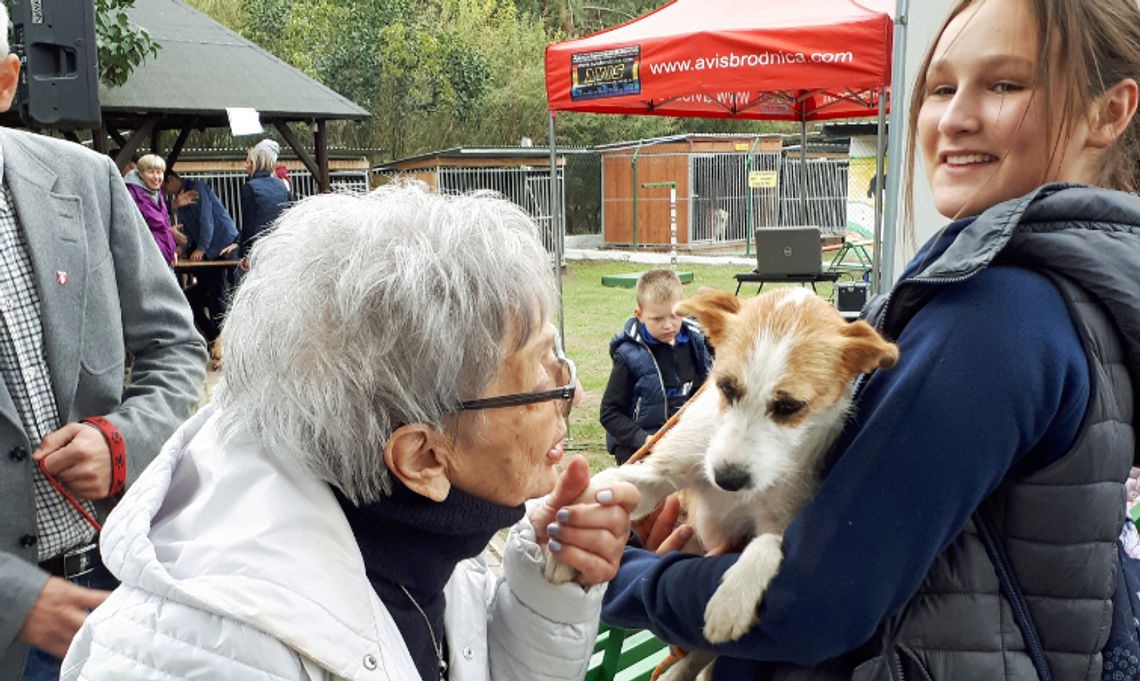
788	251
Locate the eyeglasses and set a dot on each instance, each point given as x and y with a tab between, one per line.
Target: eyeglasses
569	377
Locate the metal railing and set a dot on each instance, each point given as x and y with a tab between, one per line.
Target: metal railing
826	195
526	186
722	207
227	185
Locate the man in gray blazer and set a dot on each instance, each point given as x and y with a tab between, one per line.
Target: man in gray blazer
82	285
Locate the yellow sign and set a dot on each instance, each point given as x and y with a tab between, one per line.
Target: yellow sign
741	146
762	179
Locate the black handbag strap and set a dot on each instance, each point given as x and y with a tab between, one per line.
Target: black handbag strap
1011	589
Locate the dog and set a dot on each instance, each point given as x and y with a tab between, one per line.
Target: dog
749	448
720	223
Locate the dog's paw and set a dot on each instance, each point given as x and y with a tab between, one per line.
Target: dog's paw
557	572
731	611
634	475
727	616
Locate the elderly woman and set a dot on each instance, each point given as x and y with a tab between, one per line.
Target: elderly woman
386	409
263	196
144	184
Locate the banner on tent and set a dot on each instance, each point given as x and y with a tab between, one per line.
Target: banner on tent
605	73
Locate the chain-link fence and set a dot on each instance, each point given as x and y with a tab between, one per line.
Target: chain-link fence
862	183
583	193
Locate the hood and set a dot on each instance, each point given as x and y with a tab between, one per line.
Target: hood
133	179
1088	235
215	524
631	333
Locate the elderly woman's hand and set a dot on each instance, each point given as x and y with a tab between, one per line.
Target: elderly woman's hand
588	535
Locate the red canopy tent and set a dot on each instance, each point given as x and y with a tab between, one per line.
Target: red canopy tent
759	59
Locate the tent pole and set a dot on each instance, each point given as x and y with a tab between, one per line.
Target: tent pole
633	188
892	226
877	237
803	167
748	211
557	229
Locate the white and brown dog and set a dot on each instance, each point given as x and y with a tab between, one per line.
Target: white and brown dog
748	449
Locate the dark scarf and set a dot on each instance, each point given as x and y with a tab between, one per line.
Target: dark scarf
411	541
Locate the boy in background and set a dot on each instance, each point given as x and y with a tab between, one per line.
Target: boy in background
659	361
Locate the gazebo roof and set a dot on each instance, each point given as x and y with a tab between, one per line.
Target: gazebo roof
203	67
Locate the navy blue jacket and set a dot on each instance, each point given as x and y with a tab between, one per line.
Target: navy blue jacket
263	197
207	223
991	376
633	411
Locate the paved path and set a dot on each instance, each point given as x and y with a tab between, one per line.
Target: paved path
648	258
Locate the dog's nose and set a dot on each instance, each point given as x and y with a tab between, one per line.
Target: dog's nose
732	478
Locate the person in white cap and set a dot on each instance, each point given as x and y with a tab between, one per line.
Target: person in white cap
263	196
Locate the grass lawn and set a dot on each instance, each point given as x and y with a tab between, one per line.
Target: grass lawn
594	313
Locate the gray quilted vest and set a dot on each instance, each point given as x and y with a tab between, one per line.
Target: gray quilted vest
1058	525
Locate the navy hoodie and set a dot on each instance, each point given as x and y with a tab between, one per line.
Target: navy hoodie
989	368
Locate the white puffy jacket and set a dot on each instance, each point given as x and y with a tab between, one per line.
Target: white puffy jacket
235	568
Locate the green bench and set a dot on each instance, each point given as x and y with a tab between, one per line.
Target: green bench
629	280
621	655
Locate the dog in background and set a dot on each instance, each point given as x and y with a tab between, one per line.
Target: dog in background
720	223
748	449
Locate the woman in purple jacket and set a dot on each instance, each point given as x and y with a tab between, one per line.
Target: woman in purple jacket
145	186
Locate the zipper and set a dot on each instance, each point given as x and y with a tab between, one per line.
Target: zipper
660	379
886	308
636	409
896	659
1015	214
919	280
1013	594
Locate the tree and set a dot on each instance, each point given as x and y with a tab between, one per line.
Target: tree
122	46
440	73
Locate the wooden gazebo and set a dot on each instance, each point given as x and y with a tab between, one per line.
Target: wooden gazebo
203	68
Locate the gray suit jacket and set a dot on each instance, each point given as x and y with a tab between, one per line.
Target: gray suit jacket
119	297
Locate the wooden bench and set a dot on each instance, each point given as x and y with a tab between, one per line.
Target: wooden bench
185	265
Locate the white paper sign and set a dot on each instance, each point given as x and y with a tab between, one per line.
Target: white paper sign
244	121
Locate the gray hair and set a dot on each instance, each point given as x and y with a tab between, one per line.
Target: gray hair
263	156
149	161
363	313
4	46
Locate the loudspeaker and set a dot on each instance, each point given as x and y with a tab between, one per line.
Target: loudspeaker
59	81
850	297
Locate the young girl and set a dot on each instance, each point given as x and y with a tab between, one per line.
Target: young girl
1002	440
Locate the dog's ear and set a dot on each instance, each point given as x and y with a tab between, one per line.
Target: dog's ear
865	350
712	309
